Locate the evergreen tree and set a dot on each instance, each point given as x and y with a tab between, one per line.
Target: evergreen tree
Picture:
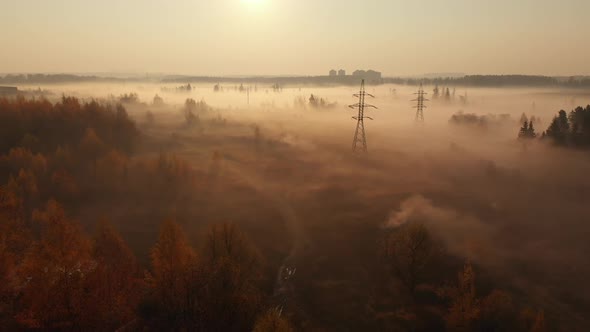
531	130
527	130
523	133
559	128
523	118
580	126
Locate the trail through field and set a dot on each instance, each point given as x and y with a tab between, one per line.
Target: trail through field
278	194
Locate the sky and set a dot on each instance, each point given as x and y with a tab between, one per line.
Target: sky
295	37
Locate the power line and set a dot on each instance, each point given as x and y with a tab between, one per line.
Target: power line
359	134
420	104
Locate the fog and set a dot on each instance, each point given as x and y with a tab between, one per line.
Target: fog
394	102
517	210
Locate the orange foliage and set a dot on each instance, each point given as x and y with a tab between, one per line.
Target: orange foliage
173	169
112	167
62	123
464	309
233	269
14	240
19	158
272	320
54	272
174	278
65	183
113	286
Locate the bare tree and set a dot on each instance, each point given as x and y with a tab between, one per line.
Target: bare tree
409	252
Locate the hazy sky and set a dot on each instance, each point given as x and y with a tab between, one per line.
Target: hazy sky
241	37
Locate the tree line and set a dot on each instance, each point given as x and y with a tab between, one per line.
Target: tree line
566	129
417	262
468	80
55	275
496	81
56	158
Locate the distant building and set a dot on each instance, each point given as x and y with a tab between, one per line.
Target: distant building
369	75
372	75
332	73
8	90
359	73
342	72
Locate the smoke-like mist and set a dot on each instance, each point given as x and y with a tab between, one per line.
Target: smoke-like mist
517	210
463	235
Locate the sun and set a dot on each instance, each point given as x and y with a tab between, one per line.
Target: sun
254	3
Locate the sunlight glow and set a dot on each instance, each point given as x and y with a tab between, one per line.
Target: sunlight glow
254	2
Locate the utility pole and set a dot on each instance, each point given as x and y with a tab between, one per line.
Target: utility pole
420	105
359	134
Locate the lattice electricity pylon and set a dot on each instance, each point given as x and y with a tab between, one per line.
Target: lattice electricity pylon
359	134
420	104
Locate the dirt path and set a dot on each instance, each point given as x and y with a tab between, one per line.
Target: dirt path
284	290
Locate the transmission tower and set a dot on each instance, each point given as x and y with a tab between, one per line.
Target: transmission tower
359	134
420	104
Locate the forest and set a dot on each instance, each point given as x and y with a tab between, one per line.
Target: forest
63	157
107	224
571	129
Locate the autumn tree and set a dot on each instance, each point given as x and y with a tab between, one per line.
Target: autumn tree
539	324
22	158
532	320
7	268
92	147
63	158
464	309
30	142
409	252
114	286
495	312
124	131
64	184
55	272
498	313
112	168
233	271
14	242
272	321
24	187
174	282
